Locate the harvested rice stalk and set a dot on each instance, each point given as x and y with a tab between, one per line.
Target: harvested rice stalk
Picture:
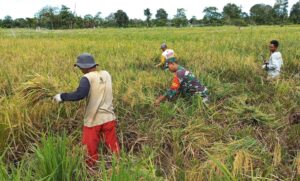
37	89
297	161
242	163
277	157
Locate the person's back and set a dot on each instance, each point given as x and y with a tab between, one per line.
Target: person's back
166	54
189	83
99	109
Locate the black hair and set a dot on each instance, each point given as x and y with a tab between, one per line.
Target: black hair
275	43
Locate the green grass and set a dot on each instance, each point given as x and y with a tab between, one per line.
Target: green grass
243	134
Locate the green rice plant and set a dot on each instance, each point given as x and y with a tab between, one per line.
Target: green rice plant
4	175
127	166
225	171
54	160
6	86
128	170
167	110
16	172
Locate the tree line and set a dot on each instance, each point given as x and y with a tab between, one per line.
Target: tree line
63	18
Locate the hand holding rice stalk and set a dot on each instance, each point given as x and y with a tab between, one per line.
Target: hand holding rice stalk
38	88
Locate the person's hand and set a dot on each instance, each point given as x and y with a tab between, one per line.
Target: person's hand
157	102
57	98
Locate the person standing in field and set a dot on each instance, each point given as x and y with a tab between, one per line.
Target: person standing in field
99	119
184	83
167	53
273	65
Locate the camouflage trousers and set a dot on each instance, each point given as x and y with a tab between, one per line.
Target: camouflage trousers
204	94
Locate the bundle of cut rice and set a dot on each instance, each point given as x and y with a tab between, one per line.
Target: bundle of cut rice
38	88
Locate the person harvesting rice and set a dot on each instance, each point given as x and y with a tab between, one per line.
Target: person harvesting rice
184	83
99	118
167	53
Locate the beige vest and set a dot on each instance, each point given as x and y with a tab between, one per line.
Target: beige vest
99	108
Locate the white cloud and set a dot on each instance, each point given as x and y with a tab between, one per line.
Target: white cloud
134	8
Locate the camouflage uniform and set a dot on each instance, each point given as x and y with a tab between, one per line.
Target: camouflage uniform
186	84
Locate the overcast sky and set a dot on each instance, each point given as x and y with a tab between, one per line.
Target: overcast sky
133	8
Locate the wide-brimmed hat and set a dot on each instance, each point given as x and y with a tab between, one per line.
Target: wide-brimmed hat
85	61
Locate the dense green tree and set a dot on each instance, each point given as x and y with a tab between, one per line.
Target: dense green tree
261	14
20	23
109	21
232	11
78	22
280	11
89	21
137	23
7	22
31	22
161	17
55	18
295	13
180	18
47	17
148	15
193	21
121	18
245	19
211	16
98	20
67	17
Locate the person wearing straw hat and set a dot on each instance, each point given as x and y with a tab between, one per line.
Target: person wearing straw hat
184	83
99	119
166	54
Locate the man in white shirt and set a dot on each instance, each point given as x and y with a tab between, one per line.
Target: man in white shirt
275	62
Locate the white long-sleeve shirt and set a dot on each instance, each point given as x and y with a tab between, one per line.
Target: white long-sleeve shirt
274	66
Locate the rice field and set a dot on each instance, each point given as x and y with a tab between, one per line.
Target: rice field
243	134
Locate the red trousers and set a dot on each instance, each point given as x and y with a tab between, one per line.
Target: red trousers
92	137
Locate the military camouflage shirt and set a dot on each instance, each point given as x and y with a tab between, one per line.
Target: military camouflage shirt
186	84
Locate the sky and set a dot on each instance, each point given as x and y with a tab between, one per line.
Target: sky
133	8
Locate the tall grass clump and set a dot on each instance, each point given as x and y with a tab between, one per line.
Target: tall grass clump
128	167
57	159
